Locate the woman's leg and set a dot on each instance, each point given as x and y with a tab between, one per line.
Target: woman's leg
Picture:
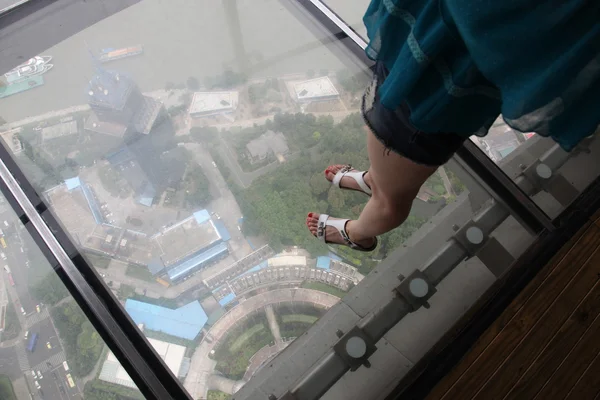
395	182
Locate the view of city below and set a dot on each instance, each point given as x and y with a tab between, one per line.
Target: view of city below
182	163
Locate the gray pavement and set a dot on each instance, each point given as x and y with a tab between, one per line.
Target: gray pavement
9	363
274	325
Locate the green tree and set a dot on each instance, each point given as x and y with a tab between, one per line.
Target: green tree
193	84
336	201
318	184
49	290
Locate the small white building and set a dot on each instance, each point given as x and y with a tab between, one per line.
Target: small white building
205	104
172	355
318	89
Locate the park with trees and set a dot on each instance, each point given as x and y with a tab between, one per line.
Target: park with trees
276	204
83	345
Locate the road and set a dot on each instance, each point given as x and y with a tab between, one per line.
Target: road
15	360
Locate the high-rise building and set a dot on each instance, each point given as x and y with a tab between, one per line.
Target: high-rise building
119	106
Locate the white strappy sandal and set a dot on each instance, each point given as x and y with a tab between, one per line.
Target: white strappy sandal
340	225
358	176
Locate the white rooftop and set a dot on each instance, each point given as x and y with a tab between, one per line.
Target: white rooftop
172	355
315	88
282	261
213	102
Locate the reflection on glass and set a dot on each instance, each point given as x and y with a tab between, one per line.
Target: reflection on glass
351	12
7	5
183	161
48	348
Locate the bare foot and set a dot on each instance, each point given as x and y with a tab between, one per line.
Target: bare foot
346	181
332	235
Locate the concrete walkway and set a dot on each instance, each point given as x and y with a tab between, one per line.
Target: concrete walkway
274	325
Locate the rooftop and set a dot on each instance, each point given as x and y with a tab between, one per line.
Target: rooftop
186	238
185	322
209	103
58	130
315	89
72	208
186	267
109	89
283	261
171	354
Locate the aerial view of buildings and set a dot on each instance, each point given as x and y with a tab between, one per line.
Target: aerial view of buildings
143	166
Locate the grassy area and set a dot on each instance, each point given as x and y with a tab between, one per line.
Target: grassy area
139	272
323	287
101	390
97	261
126	291
243	338
233	364
216	395
307	319
12	326
6	389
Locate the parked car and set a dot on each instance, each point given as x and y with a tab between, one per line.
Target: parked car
38	309
3	256
49	346
39	374
23	311
37	385
26	336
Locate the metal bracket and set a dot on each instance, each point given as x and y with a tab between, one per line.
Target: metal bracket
416	289
355	348
286	396
471	237
542	176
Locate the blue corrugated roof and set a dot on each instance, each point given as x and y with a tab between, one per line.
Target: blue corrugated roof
91	200
334	256
72	183
323	262
223	232
185	322
227	299
146	194
155	266
186	267
201	216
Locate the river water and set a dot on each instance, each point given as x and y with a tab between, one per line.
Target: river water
184	38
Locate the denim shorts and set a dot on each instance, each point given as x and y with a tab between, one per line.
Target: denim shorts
394	130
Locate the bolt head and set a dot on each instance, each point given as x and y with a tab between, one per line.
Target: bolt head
543	171
474	235
356	347
418	287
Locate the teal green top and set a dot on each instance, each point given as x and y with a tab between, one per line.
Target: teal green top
460	63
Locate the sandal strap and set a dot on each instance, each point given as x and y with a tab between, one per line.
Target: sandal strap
358	176
340	226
